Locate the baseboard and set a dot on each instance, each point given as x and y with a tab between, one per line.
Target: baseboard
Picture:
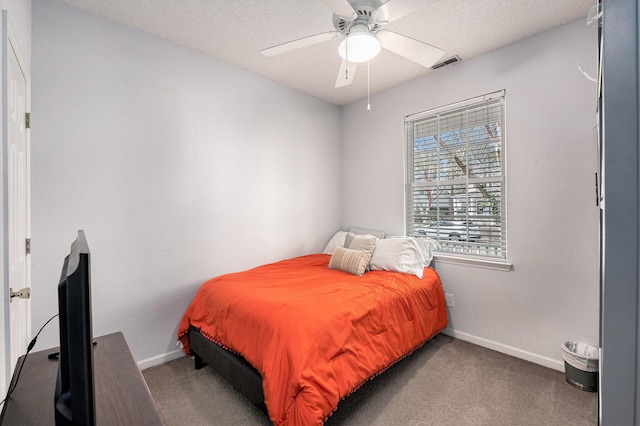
498	347
160	359
509	350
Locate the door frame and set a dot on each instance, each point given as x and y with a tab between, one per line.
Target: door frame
620	276
10	42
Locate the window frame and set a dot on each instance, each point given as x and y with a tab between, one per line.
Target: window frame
459	254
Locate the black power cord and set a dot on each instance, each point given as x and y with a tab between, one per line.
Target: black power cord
29	348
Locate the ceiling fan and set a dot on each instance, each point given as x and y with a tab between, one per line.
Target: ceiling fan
360	24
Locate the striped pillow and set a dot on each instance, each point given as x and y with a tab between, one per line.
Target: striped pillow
352	261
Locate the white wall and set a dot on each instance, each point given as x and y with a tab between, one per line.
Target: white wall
177	166
551	295
143	144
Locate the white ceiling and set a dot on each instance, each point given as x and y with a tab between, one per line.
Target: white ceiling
234	31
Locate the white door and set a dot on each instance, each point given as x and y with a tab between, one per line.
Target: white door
17	189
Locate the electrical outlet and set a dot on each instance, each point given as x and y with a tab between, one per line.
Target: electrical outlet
451	301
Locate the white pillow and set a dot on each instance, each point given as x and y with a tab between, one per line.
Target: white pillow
427	246
336	241
398	254
365	231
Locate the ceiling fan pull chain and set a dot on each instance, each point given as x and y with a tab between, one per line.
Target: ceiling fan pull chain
368	89
346	53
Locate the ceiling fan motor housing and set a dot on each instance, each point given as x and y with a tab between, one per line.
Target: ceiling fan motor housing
365	14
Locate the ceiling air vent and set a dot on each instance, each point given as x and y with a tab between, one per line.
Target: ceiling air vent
451	60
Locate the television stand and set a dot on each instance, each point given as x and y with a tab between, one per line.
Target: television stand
122	395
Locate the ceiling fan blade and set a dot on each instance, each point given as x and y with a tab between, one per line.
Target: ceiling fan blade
395	9
341	8
421	53
346	74
300	43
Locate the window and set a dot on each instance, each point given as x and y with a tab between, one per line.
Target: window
455	177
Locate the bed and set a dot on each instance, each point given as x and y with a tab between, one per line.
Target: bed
299	335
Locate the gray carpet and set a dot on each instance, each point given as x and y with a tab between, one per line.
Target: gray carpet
446	382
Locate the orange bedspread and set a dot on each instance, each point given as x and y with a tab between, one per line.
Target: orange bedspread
316	334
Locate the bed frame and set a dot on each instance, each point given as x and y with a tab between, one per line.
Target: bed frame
238	371
234	368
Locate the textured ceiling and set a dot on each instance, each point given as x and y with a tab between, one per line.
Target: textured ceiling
235	31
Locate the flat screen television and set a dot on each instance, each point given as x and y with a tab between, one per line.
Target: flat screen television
74	399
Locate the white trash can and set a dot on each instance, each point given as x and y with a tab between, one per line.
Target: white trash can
581	362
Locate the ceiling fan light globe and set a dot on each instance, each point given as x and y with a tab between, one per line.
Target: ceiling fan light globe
360	47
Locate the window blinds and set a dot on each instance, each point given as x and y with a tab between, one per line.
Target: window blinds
455	177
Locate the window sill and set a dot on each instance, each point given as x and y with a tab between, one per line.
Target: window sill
495	265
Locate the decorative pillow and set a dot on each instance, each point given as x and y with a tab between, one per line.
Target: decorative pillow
399	254
352	261
336	241
360	242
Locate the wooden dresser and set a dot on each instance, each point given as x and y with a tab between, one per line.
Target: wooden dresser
122	396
